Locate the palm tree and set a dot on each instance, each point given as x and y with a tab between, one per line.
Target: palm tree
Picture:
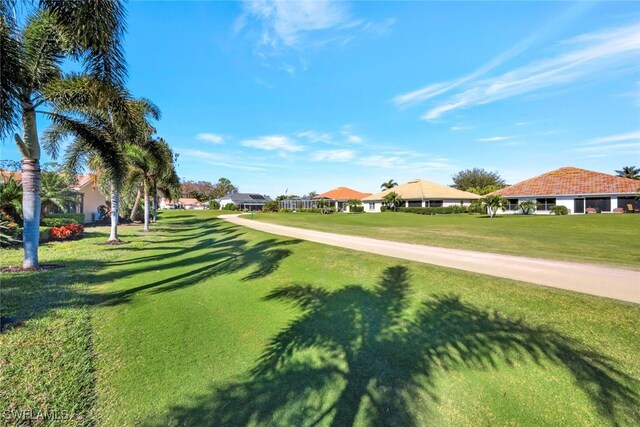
527	207
354	204
32	77
102	126
147	163
388	184
56	192
393	199
629	172
493	204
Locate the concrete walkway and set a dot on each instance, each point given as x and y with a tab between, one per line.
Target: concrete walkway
616	283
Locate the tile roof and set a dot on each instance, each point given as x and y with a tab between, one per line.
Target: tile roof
81	180
569	180
342	193
419	189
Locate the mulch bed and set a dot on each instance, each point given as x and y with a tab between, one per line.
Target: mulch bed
19	269
113	243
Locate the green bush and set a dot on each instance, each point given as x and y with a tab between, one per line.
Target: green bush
214	205
559	210
45	234
356	209
58	220
316	210
271	206
383	208
230	207
444	210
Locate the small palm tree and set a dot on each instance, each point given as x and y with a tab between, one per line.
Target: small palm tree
393	200
388	184
323	205
11	196
493	204
354	204
629	172
56	192
527	207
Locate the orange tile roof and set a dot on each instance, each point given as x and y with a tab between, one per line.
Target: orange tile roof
342	193
569	180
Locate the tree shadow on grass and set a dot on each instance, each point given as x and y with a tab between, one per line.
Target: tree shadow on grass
198	252
360	355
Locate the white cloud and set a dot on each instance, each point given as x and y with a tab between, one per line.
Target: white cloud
583	57
616	138
333	156
222	160
349	136
460	128
494	138
210	137
314	137
273	142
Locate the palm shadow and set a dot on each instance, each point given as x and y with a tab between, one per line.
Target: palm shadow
361	355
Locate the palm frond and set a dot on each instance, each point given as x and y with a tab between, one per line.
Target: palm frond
43	50
10	70
94	31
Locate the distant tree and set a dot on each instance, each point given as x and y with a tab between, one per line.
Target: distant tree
527	207
224	187
481	191
629	172
388	184
200	190
230	207
476	178
393	200
271	206
493	204
281	197
214	205
311	195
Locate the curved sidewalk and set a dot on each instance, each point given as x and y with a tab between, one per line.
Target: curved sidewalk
616	283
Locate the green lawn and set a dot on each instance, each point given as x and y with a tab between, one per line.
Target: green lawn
201	322
602	239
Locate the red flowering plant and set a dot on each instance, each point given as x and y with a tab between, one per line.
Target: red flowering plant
67	232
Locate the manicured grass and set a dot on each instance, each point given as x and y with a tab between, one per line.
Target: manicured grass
205	323
603	239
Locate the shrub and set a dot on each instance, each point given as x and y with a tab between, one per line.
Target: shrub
356	209
10	232
45	234
214	205
67	232
57	220
559	210
383	209
443	210
271	206
230	207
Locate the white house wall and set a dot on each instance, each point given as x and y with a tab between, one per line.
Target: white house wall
566	201
378	204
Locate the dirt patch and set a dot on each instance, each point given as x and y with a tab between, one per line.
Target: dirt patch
42	267
113	243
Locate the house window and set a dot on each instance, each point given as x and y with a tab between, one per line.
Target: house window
629	204
600	204
414	203
433	203
545	204
372	206
513	205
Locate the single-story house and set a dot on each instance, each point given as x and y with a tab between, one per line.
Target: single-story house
579	190
248	201
182	203
340	196
421	194
86	190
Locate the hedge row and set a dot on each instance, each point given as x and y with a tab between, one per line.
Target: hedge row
436	211
59	220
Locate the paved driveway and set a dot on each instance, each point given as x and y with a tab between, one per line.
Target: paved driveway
616	283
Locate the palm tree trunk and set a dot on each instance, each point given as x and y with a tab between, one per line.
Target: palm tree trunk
146	206
31	211
115	213
29	147
132	217
155	202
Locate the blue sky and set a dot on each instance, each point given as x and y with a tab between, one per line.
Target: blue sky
312	95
